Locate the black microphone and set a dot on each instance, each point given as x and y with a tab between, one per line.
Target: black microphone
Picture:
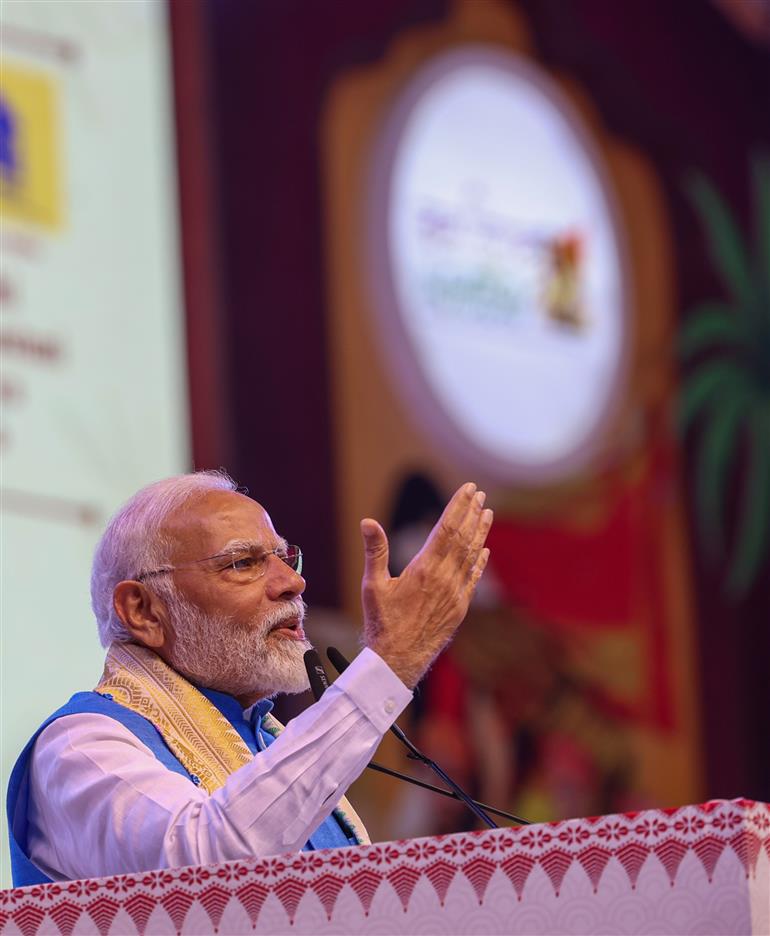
315	673
336	657
319	684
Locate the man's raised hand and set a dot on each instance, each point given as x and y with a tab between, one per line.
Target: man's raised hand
409	620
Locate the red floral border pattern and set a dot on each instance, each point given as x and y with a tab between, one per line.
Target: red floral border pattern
632	839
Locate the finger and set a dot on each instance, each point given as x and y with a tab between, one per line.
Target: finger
471	534
446	530
478	568
471	520
375	550
479	537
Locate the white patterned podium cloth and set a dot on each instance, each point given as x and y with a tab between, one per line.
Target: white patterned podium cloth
696	869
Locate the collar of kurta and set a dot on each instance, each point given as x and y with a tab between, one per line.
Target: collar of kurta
198	734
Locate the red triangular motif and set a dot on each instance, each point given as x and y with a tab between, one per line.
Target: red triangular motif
103	911
594	860
670	853
176	903
28	919
290	891
632	856
441	874
746	846
214	899
251	896
365	883
402	879
708	849
327	888
65	915
517	869
139	908
556	863
479	872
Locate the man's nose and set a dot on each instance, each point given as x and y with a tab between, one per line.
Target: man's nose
281	581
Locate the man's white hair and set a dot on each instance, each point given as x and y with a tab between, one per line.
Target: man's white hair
133	542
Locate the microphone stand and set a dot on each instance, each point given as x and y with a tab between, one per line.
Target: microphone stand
319	684
339	662
372	765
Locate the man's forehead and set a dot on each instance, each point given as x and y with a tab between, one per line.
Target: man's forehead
206	524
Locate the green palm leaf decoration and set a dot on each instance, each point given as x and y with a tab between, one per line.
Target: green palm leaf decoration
725	345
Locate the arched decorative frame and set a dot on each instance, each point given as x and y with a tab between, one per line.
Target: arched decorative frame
418	390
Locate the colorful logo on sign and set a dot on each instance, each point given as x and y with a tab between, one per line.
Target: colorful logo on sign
30	188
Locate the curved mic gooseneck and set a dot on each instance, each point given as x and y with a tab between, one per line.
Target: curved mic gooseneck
339	662
319	684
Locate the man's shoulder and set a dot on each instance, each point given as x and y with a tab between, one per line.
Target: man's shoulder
87	704
96	703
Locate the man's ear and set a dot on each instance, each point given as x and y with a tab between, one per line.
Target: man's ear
142	613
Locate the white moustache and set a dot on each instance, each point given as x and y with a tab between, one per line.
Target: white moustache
287	611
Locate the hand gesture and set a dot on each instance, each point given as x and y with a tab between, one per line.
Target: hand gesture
408	620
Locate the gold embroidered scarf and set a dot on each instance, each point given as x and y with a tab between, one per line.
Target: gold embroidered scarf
198	734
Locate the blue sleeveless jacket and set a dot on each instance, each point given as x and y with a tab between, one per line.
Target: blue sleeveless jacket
332	833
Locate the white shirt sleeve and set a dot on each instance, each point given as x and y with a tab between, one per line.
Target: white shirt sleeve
101	803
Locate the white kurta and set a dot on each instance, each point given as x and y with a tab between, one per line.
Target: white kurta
101	803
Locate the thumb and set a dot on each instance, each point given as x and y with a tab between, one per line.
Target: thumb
375	550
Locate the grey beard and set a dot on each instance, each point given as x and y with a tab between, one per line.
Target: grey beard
211	651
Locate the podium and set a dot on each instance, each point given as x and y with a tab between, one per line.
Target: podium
695	869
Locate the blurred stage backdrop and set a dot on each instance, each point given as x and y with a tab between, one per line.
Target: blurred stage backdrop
359	253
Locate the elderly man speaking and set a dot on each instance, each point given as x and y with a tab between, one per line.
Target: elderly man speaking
174	759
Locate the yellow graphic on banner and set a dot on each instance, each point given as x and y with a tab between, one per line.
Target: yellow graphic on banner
30	186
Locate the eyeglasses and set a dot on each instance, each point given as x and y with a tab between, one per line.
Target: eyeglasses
244	565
